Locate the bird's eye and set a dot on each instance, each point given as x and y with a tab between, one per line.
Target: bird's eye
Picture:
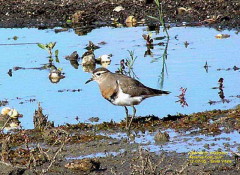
98	74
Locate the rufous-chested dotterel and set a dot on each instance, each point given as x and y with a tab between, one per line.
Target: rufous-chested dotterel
122	90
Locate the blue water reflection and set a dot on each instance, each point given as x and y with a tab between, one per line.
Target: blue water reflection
184	69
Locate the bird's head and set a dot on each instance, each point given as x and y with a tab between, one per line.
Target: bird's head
98	75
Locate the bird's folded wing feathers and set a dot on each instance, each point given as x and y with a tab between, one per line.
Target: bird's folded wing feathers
136	88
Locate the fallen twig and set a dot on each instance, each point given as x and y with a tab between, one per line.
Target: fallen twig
53	159
9	118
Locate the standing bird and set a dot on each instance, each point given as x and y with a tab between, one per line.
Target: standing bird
122	90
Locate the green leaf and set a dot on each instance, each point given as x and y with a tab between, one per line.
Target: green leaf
157	3
152	17
51	45
56	53
42	46
57	60
50	59
69	21
56	56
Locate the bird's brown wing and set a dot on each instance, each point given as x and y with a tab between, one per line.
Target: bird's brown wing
136	88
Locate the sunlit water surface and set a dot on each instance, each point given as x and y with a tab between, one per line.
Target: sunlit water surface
184	67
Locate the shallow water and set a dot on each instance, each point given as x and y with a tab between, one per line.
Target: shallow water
185	142
184	68
97	155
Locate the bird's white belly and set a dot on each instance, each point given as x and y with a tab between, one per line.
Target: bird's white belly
126	100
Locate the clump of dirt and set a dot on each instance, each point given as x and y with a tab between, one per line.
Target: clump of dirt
40	120
85	165
161	137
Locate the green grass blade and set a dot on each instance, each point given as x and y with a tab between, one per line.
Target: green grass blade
152	17
42	46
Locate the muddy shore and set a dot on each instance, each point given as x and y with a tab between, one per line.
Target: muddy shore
42	13
107	148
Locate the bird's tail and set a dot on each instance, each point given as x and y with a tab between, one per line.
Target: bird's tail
160	92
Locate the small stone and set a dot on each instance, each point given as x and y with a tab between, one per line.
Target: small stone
77	16
86	165
222	36
5	110
73	57
206	146
198	139
161	137
118	8
131	19
94	119
181	11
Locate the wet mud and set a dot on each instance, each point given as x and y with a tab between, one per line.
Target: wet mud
43	14
107	148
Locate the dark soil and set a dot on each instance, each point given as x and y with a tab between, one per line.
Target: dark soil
51	13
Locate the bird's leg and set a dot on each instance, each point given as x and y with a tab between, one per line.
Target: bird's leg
134	113
126	110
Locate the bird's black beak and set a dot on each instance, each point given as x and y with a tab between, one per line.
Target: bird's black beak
91	79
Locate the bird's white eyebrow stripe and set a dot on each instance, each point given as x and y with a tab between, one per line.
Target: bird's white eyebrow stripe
101	72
